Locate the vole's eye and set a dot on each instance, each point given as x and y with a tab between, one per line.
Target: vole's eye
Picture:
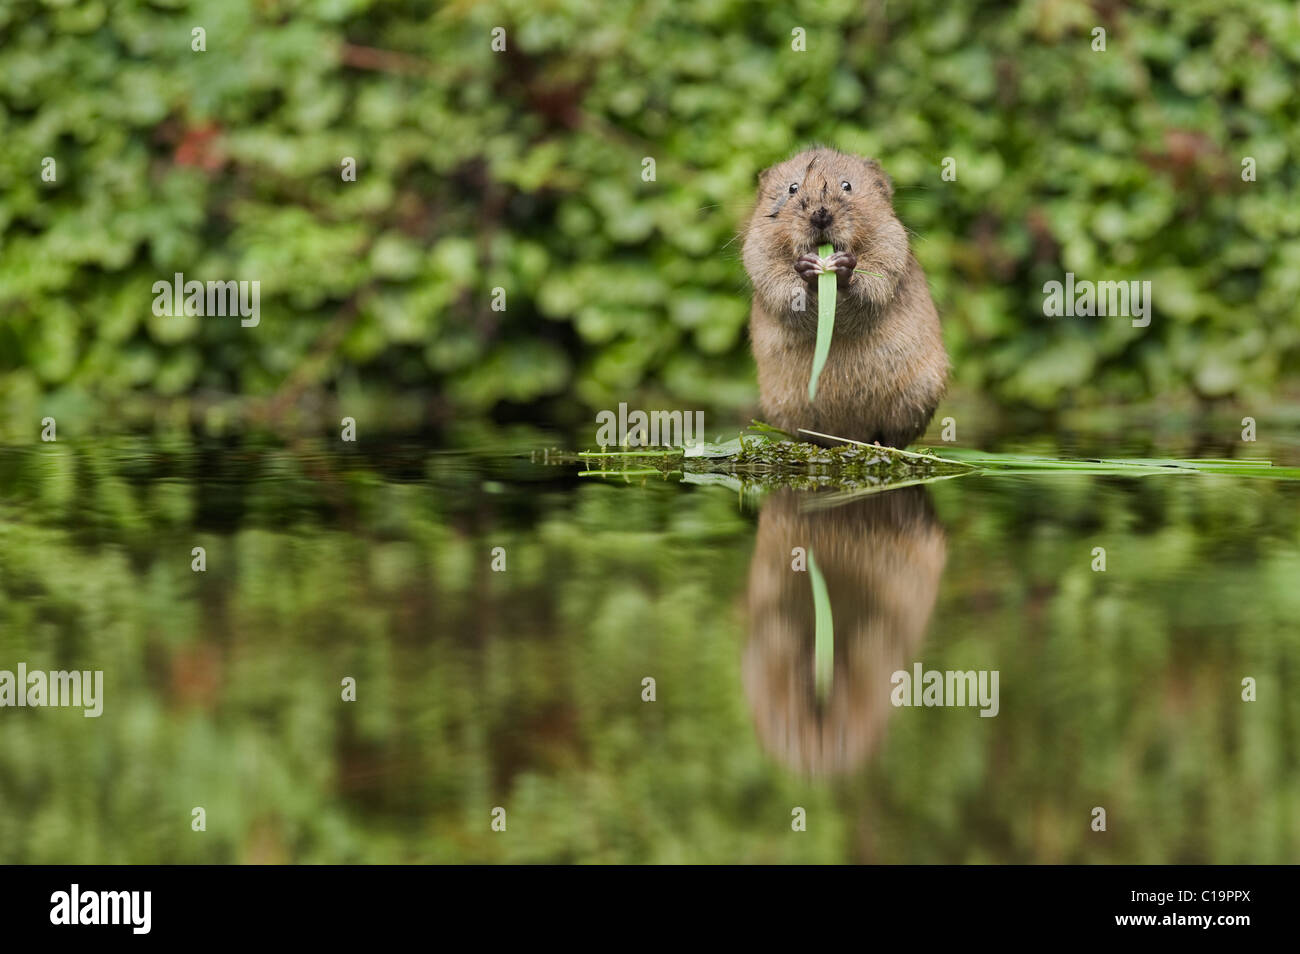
794	187
845	186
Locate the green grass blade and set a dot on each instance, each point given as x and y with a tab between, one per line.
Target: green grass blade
826	288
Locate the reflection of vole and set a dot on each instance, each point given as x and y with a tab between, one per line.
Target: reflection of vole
882	558
886	370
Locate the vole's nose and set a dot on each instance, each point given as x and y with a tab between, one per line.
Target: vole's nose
821	218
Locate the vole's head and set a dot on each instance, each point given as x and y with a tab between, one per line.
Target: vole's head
821	195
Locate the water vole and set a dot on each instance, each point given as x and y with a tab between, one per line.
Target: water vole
887	368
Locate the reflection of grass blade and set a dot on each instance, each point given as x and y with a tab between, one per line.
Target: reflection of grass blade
644	472
824	632
815	502
1131	466
825	322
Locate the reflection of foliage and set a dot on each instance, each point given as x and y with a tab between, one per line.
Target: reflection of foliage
523	170
522	688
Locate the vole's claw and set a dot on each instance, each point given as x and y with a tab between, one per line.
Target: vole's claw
808	267
842	264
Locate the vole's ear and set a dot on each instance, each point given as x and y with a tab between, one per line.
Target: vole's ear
765	177
884	184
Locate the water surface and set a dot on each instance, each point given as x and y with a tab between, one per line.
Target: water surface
523	688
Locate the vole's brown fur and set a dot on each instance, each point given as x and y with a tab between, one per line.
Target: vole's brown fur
887	368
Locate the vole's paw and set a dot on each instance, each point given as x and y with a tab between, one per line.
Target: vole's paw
808	267
842	264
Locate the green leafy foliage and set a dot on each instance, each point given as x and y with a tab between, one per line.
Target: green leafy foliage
523	170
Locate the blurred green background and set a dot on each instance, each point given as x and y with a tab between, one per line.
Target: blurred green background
522	170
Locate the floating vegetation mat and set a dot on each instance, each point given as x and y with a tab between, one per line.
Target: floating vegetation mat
763	457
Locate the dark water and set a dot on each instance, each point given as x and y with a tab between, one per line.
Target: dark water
523	688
